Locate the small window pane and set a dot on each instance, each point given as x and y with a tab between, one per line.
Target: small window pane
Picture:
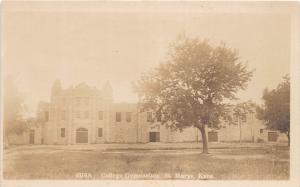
159	117
62	132
100	132
235	118
128	116
118	116
149	116
261	131
47	116
244	118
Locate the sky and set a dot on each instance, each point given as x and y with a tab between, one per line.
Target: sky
98	45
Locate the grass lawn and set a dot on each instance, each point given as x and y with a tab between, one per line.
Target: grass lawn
254	163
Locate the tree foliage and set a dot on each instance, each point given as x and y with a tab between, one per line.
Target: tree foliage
191	87
12	109
241	110
276	109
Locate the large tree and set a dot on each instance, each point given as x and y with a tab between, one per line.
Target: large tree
193	86
13	107
276	109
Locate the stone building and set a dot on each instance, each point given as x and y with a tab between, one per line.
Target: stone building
87	115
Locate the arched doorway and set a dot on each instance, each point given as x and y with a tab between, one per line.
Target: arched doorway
82	135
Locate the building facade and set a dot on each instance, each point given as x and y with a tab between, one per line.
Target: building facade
87	115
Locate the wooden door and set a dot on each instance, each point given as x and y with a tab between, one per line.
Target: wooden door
82	135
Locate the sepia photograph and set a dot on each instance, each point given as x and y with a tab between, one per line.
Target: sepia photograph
101	90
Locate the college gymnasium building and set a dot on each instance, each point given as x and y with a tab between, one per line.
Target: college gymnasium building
87	115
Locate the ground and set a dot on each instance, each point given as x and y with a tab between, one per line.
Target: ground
148	161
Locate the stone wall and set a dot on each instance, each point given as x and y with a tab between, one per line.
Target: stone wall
135	131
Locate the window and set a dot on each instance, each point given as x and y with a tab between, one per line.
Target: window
235	118
244	118
86	114
261	131
149	116
78	101
128	116
158	117
62	132
31	137
100	132
47	116
63	115
118	116
100	115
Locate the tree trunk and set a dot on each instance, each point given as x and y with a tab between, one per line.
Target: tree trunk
288	136
204	140
240	126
